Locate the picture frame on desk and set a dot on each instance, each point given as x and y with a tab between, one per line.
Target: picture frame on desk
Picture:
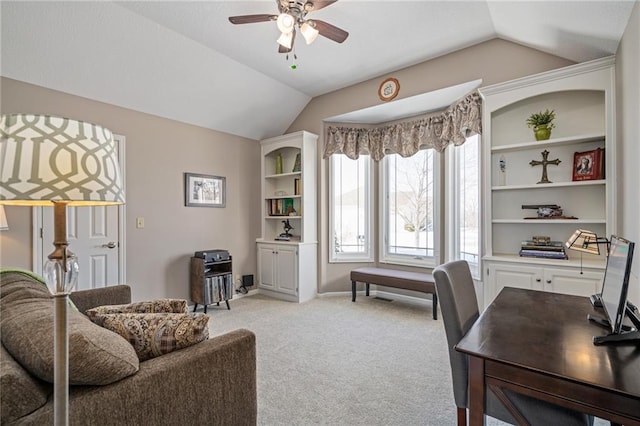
588	165
204	190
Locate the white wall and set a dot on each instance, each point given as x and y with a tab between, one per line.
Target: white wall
628	117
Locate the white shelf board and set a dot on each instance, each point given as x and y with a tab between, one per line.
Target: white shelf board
280	175
514	258
550	185
593	137
283	217
279	197
544	221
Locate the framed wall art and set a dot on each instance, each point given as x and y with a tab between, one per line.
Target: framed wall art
204	190
388	89
588	165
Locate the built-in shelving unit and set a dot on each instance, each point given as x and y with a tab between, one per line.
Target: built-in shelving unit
582	98
289	195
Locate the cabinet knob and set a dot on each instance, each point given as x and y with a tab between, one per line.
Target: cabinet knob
538	280
548	281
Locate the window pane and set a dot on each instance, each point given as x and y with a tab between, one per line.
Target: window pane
409	215
468	174
350	187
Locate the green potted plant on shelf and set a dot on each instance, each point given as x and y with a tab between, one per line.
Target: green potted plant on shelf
542	123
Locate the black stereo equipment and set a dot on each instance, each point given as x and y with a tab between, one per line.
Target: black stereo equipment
212	255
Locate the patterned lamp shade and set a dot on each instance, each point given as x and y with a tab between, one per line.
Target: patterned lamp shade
45	159
584	241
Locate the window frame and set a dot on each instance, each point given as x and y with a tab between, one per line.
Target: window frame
452	186
368	254
383	201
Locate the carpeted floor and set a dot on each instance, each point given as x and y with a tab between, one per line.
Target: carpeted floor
334	362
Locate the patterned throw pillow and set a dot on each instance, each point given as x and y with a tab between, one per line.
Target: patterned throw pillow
172	306
155	334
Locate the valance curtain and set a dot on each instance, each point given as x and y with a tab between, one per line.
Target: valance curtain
454	125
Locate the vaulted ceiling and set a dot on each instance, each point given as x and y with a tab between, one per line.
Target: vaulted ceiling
184	60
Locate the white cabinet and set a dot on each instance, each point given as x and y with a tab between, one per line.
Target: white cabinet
288	195
566	280
287	271
582	98
278	267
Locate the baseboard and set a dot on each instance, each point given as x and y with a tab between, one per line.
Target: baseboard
387	295
338	294
249	293
403	298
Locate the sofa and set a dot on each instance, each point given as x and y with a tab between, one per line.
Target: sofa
209	383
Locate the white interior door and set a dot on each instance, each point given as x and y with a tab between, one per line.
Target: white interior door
95	235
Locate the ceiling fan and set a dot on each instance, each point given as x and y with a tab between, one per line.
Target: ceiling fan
293	14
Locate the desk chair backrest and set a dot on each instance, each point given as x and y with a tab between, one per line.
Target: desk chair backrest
459	306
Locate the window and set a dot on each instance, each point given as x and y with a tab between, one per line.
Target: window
350	203
464	188
409	194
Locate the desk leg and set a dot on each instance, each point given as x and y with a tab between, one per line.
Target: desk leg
476	391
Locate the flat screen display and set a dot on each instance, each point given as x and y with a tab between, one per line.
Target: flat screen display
616	281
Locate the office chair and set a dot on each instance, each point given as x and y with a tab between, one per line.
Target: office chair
459	306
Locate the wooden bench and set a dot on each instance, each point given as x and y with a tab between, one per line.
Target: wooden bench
414	281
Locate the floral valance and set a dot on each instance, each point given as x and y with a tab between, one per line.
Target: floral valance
454	125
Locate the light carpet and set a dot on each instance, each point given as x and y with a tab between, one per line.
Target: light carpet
334	362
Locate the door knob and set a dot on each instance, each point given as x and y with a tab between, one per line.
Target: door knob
109	245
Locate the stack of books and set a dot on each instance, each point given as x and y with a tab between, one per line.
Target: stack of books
546	250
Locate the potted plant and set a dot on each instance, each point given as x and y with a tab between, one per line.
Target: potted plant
542	123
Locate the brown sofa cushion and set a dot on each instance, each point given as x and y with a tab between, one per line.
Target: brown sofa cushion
155	334
20	392
96	356
177	306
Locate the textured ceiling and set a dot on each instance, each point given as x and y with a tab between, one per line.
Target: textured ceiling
184	60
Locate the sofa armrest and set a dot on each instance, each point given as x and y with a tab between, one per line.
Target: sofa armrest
210	383
110	295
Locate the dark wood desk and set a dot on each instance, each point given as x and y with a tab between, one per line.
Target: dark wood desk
540	344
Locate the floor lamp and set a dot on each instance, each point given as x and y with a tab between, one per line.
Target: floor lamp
46	161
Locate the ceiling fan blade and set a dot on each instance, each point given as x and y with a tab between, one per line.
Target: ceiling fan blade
282	49
250	19
330	31
319	4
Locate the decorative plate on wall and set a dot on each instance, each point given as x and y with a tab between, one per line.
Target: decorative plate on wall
389	89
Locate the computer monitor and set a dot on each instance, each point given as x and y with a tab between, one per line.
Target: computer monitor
616	282
613	298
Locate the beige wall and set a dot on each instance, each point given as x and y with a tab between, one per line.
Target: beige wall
493	61
628	131
158	152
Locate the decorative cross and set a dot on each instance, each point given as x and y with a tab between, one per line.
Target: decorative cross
544	164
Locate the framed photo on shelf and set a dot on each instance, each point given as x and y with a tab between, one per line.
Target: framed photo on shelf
204	190
588	165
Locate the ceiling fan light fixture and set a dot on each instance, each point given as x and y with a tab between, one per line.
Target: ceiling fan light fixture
285	40
309	32
285	23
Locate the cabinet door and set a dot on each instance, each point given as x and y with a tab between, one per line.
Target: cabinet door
287	270
519	276
266	270
571	281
